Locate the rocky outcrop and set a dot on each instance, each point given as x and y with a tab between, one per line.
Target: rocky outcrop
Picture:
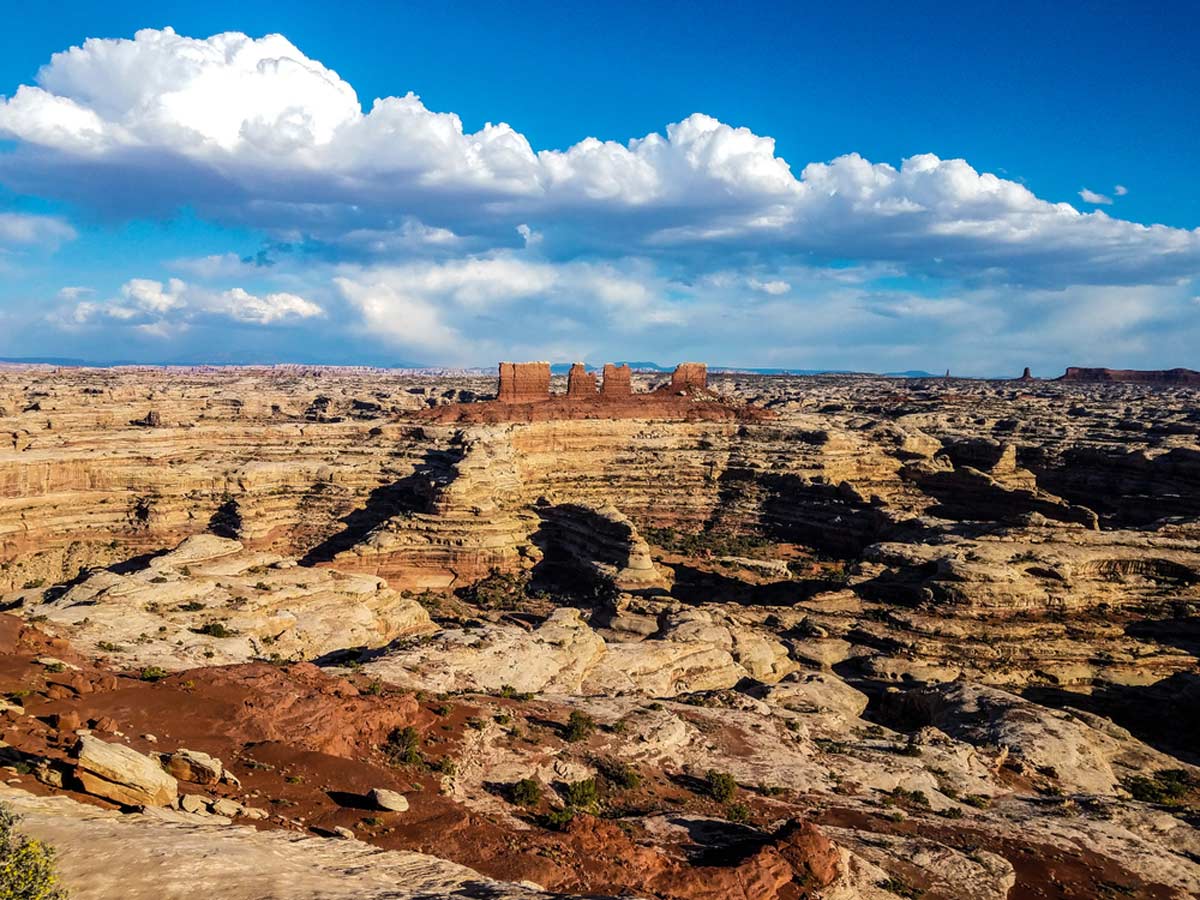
103	856
617	383
211	601
604	540
121	774
688	378
1132	376
524	382
1081	751
580	382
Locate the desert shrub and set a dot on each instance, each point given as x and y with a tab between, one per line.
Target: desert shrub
190	606
977	800
579	726
559	819
737	812
26	864
582	795
721	785
1166	786
499	590
619	774
215	629
526	792
403	746
508	692
153	673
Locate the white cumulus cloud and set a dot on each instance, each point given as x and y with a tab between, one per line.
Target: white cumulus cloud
26	229
161	309
252	131
1094	198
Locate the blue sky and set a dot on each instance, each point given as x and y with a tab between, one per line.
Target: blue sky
883	188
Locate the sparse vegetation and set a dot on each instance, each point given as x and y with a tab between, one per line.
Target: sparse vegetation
215	629
27	870
1166	787
618	775
582	795
499	590
403	747
579	726
721	785
708	542
153	673
526	792
737	812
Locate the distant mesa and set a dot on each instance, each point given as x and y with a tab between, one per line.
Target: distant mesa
524	394
529	382
1132	376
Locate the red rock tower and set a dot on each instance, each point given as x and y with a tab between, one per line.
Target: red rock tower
618	382
580	382
689	378
1027	375
524	382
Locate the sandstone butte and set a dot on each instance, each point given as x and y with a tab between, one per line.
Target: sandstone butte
524	394
363	633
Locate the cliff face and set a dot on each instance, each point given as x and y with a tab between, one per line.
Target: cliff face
524	382
1132	376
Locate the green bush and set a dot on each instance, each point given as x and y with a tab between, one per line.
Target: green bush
499	590
403	747
618	774
154	673
526	792
721	785
26	864
215	629
1166	786
582	795
579	726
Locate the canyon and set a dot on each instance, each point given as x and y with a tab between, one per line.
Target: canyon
686	634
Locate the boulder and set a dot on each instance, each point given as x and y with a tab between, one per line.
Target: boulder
392	801
194	766
121	774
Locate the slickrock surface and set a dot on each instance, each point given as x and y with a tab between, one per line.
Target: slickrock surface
142	857
838	637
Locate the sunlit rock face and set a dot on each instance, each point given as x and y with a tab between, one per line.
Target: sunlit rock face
754	634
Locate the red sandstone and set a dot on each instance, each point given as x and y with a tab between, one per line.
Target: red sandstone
524	382
689	377
524	395
581	382
618	382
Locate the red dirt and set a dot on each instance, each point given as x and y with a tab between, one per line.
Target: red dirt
305	747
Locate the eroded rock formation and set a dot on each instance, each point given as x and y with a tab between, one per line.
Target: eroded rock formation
945	629
527	382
